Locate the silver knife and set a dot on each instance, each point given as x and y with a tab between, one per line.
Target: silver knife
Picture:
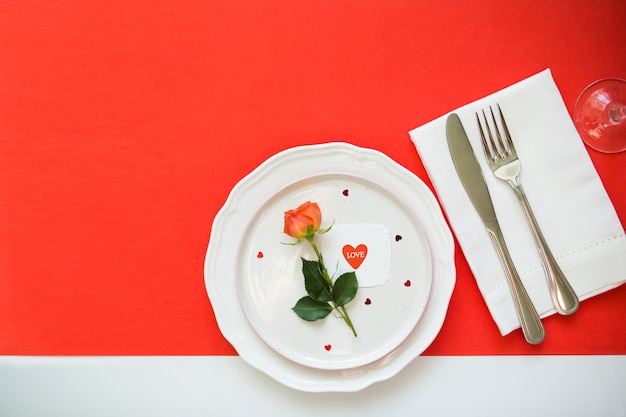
474	183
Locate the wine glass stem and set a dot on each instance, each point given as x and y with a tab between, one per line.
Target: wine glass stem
617	113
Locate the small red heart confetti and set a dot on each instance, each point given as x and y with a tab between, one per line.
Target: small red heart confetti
368	301
346	192
259	255
328	347
407	283
398	238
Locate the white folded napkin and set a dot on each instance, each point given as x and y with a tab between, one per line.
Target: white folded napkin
569	201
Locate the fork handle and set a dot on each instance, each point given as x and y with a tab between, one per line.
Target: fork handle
529	319
563	295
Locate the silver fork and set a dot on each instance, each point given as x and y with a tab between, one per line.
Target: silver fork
504	163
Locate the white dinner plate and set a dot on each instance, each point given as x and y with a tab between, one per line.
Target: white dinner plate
253	279
270	281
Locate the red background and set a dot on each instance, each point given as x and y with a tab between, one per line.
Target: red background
124	125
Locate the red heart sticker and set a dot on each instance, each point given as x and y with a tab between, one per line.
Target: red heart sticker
355	256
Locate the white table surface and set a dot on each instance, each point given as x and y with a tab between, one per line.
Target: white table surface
509	386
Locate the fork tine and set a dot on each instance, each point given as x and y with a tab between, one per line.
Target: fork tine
497	153
488	153
504	150
509	140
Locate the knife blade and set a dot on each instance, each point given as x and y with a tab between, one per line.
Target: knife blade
473	182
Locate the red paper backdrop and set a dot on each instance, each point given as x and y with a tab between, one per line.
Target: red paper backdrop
124	125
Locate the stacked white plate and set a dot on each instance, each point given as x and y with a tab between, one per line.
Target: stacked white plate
253	278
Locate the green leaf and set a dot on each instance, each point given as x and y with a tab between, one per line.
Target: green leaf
345	288
310	309
314	283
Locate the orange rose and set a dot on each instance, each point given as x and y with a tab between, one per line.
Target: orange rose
304	220
303	224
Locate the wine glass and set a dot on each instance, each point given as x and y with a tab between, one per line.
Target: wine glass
600	115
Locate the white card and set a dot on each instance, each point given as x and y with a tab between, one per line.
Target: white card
364	248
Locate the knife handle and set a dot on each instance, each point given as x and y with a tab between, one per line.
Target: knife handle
529	319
